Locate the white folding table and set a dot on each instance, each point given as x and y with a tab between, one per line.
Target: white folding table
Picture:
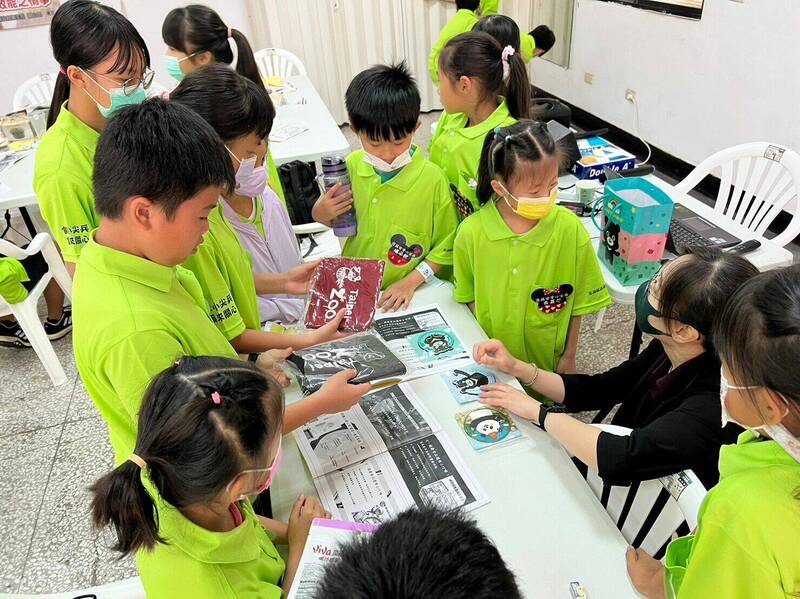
543	517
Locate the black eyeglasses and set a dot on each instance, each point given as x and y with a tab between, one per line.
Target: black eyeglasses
131	84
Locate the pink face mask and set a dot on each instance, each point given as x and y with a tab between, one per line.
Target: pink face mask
259	472
250	180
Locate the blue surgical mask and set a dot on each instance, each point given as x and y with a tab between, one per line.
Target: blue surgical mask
173	66
118	97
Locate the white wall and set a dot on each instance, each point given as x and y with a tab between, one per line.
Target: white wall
730	78
31	46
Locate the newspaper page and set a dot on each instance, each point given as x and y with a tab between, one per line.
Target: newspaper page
323	544
422	338
428	471
382	420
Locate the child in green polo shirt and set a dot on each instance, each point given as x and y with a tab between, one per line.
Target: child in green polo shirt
483	86
159	171
209	439
746	541
506	31
404	208
526	267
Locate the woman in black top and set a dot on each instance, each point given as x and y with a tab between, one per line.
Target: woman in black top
668	394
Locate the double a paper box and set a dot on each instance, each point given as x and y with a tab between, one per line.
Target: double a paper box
597	154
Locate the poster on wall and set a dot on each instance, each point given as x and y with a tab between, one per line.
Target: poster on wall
15	14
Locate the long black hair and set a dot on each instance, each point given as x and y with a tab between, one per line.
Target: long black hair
502	28
83	33
477	54
197	28
504	148
233	105
695	288
193	447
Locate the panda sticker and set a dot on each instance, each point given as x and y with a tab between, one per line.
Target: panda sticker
485	427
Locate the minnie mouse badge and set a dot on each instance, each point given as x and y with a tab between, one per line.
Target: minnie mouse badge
553	300
400	253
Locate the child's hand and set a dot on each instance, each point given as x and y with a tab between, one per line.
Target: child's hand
337	395
330	205
500	395
268	362
397	296
567	365
298	279
493	353
304	510
328	331
646	573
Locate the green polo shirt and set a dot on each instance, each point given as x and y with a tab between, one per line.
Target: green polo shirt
747	542
274	178
224	270
409	218
457	148
464	20
527	46
132	318
196	563
62	182
527	287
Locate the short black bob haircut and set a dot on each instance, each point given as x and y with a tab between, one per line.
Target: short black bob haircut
160	150
422	553
232	104
544	37
383	102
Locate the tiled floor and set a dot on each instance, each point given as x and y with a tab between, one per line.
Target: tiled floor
53	445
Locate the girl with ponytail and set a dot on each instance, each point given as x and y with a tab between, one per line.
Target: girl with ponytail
103	65
209	437
483	85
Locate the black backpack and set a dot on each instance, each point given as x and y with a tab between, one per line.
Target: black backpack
300	188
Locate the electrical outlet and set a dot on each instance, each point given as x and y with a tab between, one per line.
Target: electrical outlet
630	95
588	78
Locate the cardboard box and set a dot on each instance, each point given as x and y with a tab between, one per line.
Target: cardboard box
597	154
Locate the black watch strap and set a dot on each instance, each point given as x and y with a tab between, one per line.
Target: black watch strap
253	357
543	412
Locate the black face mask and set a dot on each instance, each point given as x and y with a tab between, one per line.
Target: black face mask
645	309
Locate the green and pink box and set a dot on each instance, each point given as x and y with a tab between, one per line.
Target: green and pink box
634	222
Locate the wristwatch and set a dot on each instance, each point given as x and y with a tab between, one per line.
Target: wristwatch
544	411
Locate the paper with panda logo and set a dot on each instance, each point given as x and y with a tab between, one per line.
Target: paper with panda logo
487	427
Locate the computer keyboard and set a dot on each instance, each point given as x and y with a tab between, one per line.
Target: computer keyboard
683	237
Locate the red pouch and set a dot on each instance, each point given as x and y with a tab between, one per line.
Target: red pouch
350	283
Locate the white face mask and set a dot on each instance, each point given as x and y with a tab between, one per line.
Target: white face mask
379	164
779	433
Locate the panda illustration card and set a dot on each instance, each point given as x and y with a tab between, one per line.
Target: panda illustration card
465	382
487	427
436	344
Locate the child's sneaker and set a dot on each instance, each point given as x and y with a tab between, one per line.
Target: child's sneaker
12	335
56	329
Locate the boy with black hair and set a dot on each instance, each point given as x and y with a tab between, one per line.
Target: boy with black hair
159	170
440	554
404	208
544	39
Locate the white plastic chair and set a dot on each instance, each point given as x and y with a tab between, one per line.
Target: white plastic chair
757	181
130	588
280	62
26	312
36	91
650	512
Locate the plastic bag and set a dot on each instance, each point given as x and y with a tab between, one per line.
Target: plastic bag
350	283
365	353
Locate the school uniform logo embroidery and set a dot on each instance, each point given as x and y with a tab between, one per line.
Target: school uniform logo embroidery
400	253
552	300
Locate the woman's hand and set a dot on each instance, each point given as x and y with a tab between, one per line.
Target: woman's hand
338	395
646	573
493	353
500	395
331	205
304	511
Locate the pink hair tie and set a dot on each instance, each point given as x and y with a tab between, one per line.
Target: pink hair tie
230	35
62	70
507	52
216	398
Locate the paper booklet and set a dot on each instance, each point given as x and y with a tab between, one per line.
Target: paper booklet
423	339
323	544
383	456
